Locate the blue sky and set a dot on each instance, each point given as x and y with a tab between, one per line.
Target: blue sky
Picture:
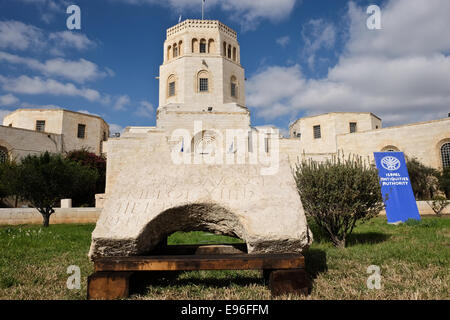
301	57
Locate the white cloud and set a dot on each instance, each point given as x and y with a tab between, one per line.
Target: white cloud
283	41
410	27
247	12
48	8
316	35
8	99
145	110
379	71
274	84
19	36
122	102
3	113
36	85
79	71
70	39
16	35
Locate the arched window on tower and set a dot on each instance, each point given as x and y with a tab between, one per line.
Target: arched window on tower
203	82
194	45
202	46
171	86
3	154
234	54
211	46
180	48
234	87
175	50
224	53
445	155
169	52
229	51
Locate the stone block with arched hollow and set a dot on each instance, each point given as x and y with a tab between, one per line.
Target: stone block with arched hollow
153	197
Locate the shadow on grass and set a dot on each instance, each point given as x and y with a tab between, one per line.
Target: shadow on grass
140	281
366	238
315	262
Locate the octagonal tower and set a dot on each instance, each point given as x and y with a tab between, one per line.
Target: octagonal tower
201	77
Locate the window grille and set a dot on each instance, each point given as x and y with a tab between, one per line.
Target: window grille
204	85
40	125
317	132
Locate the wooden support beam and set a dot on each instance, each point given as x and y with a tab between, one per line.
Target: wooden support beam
204	262
284	282
109	285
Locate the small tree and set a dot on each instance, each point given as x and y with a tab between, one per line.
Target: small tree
424	180
45	179
4	192
338	193
8	185
438	204
94	162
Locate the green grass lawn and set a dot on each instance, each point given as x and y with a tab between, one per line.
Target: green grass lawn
414	259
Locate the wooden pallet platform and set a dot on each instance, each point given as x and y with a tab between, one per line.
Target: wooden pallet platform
285	273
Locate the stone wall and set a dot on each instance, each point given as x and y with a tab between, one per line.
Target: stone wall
21	142
58	122
19	216
331	125
96	129
420	140
424	209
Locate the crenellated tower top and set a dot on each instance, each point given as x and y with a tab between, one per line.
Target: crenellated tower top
198	25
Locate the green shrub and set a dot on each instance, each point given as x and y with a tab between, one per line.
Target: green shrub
438	204
444	182
424	180
7	183
86	198
338	193
46	179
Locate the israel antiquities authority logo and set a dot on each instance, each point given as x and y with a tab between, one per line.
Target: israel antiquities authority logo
390	163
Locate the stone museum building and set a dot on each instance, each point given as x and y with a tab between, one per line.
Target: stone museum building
159	180
324	135
33	131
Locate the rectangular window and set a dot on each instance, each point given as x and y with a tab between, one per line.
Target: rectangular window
233	90
40	125
267	145
317	132
81	131
171	89
353	127
202	47
204	85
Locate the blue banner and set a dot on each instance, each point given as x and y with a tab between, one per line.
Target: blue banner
394	179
